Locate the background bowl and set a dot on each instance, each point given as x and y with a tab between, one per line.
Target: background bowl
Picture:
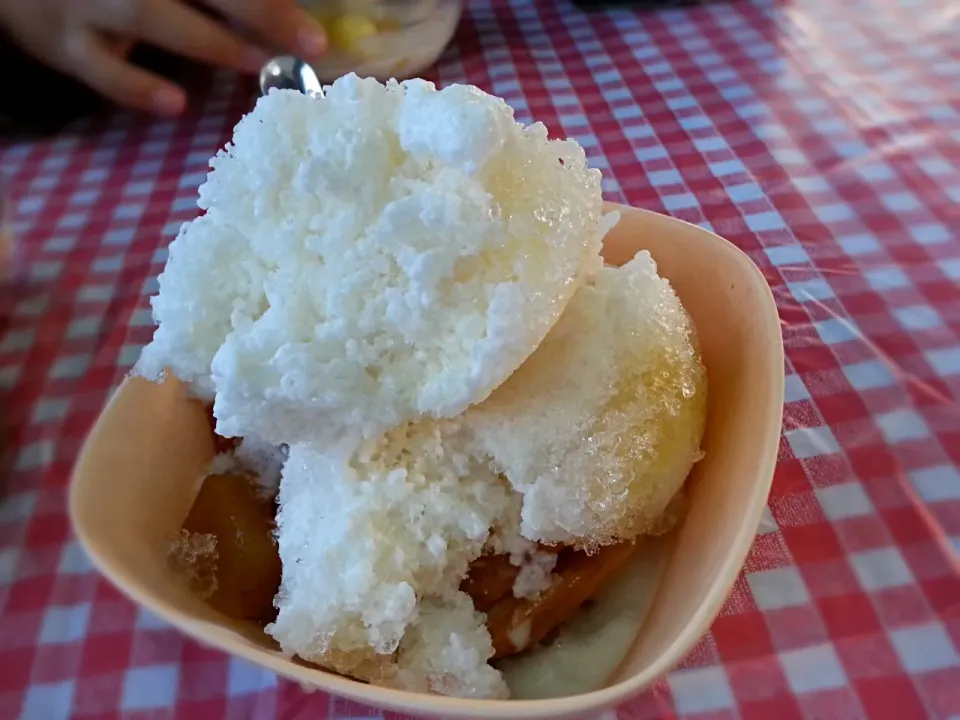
139	469
383	38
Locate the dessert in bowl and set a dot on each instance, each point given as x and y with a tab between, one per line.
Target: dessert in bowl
506	438
383	38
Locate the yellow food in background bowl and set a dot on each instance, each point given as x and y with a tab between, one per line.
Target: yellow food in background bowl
384	39
348	33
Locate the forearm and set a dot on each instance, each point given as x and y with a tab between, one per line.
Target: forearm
35	98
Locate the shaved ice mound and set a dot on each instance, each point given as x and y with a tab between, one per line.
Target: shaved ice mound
374	544
600	427
373	256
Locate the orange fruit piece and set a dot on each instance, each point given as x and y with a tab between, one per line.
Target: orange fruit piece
247	565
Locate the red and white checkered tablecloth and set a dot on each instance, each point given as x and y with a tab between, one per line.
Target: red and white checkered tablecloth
821	137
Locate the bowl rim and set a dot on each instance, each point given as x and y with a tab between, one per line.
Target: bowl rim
454	707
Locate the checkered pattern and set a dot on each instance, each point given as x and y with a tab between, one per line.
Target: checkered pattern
821	137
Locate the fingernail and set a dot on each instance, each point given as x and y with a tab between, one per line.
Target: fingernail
169	101
312	41
254	58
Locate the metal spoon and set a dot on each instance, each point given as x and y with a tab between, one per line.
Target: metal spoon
287	72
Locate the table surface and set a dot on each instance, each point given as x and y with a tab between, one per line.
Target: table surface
821	137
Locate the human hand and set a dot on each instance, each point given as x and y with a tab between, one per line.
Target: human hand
90	40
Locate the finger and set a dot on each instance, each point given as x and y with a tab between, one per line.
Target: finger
176	27
119	46
278	21
112	76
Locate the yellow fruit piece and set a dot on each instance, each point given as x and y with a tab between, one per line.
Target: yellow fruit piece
600	426
348	32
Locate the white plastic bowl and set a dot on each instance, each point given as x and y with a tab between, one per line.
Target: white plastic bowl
135	481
